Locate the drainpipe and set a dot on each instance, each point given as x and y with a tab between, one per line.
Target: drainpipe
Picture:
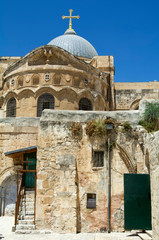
109	127
109	185
4	202
0	202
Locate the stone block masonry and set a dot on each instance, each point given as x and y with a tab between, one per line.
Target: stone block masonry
66	174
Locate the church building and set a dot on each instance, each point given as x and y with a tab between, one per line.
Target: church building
56	172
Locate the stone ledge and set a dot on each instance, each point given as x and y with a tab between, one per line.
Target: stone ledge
84	116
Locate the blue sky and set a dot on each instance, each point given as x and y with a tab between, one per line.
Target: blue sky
128	30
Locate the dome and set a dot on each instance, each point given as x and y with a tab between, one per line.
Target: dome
74	44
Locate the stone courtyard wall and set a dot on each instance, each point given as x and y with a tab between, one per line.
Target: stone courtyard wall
14	134
128	95
152	155
69	173
150	143
66	173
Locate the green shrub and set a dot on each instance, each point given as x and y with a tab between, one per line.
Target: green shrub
127	127
150	120
151	113
149	126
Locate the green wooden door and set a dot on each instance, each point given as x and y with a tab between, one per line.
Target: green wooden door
30	164
137	201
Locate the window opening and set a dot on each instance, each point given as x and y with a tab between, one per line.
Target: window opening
11	108
12	82
91	200
46	105
98	158
47	77
45	101
85	104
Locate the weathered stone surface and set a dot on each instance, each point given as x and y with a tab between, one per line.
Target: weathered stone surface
128	95
71	175
65	168
14	134
151	141
68	77
66	160
84	116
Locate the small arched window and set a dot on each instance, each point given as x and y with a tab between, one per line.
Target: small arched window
45	101
11	108
85	104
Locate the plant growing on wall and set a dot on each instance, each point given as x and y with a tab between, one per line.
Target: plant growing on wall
150	119
98	127
126	127
76	129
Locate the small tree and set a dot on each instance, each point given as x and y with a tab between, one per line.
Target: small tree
150	120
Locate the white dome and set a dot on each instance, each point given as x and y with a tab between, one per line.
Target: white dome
74	44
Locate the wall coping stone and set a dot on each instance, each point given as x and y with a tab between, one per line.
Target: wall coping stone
85	116
21	121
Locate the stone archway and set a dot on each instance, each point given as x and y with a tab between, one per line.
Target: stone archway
127	159
135	104
8	195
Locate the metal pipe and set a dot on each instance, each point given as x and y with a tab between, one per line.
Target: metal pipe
4	202
109	185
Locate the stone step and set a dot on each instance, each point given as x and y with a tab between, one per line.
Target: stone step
149	232
30	189
27	198
27	208
29	192
37	232
24	231
27	212
25	227
144	236
26	217
26	222
28	195
27	204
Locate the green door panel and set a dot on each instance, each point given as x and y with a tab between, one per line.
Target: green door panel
29	178
137	201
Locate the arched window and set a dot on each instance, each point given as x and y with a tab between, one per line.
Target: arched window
45	101
85	104
11	108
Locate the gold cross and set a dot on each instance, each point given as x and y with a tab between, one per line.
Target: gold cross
70	17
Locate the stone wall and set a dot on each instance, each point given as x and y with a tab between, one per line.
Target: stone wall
149	143
56	179
152	156
66	78
65	169
69	173
4	63
14	134
128	95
